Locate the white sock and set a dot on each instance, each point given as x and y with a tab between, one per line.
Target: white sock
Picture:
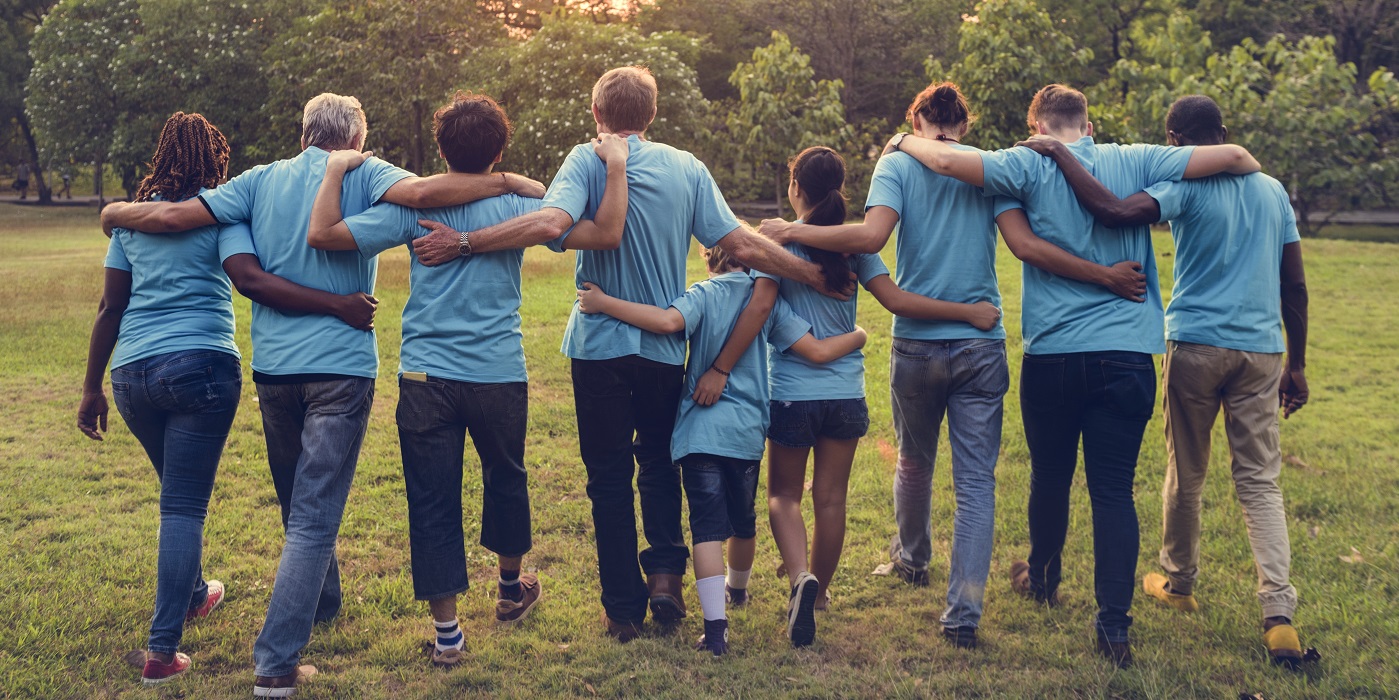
449	635
738	579
711	595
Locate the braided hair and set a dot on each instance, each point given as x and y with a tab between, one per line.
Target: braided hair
820	175
191	154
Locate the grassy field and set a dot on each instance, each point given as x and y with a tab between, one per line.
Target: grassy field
78	520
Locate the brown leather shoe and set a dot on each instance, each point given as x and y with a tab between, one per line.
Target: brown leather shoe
1120	653
507	610
1020	583
667	597
282	686
621	631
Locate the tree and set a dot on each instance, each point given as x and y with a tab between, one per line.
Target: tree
782	109
18	18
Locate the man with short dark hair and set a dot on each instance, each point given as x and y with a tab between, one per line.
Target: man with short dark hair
1239	282
462	365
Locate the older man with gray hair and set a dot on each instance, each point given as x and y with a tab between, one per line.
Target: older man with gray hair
314	374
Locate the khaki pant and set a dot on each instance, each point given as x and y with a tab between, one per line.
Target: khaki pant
1198	380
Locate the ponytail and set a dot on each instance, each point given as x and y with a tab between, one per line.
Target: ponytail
820	174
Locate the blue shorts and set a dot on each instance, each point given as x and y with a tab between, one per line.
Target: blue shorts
799	423
720	491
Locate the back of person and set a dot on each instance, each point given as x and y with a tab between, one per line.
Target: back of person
180	297
671	197
1062	315
462	319
946	243
275	199
1229	232
795	378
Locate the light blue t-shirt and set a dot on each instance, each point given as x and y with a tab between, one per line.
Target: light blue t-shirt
1229	233
276	200
946	242
462	319
180	297
670	197
1060	315
795	378
736	425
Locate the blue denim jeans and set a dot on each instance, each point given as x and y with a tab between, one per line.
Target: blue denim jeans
434	417
720	491
1107	398
180	406
314	431
967	380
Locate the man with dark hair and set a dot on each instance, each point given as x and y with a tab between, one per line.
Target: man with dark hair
1239	282
462	365
1087	370
627	382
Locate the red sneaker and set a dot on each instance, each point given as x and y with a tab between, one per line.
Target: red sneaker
210	602
157	671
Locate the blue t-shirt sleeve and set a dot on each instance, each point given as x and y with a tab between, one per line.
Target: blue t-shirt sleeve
759	274
868	266
1171	197
569	189
713	218
1009	171
232	201
886	186
384	226
382	175
235	239
116	254
1001	205
1161	163
691	307
785	327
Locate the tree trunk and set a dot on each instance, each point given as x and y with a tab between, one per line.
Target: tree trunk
45	194
97	182
778	190
419	158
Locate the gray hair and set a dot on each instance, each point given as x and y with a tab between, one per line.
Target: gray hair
333	121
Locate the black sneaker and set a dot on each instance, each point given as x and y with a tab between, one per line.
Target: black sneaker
715	639
737	597
1119	653
910	575
960	637
801	610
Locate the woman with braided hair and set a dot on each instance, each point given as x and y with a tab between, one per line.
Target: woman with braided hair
167	312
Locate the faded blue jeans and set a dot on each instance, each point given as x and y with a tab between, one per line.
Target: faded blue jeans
180	406
967	380
314	431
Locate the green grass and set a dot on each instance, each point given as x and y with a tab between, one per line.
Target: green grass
1360	232
78	520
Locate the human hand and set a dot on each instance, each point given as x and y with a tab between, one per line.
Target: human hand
892	144
347	159
1043	144
817	280
441	246
1125	279
611	148
709	387
591	299
1292	391
357	310
983	315
779	231
523	186
92	414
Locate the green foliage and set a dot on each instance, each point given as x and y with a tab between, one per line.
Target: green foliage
545	84
782	109
1010	49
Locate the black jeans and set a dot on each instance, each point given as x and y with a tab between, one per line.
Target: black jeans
626	410
1107	398
434	418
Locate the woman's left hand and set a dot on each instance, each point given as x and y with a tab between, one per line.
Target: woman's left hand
92	415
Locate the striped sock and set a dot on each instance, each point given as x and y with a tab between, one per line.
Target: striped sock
510	585
449	635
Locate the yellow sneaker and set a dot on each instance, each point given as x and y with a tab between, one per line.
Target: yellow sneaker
1158	587
1284	648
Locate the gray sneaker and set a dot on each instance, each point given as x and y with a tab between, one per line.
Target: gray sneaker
910	575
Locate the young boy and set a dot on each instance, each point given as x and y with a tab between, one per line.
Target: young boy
719	447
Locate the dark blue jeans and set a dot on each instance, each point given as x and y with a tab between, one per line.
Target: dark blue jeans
180	405
626	411
721	491
314	431
434	417
1107	398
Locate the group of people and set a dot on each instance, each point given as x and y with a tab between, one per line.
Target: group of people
774	356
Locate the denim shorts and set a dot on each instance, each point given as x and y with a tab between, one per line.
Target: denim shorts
799	423
721	491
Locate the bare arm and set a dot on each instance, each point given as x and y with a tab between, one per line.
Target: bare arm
604	231
653	319
246	273
942	158
832	348
1124	279
1106	207
1292	392
449	189
1224	158
116	294
982	314
750	322
443	244
327	230
868	236
761	254
156	217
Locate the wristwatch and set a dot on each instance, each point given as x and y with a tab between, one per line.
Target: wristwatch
464	247
898	139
